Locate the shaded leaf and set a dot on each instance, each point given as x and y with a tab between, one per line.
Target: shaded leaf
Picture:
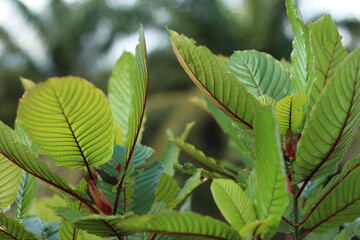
233	203
26	194
69	120
181	224
332	123
166	190
211	76
11	229
271	197
260	73
289	113
331	210
328	52
42	229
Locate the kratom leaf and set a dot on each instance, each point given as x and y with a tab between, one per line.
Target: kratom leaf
190	184
233	203
139	86
328	52
302	73
181	224
99	225
146	183
260	73
69	120
201	158
271	197
10	229
338	202
348	232
170	154
26	194
332	123
10	178
119	90
166	190
289	113
12	149
42	229
211	76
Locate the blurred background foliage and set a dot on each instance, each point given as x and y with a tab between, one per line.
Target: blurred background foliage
83	38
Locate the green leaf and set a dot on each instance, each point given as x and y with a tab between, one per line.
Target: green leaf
102	226
348	232
146	183
10	178
332	123
338	202
302	72
233	203
26	194
41	228
200	157
166	190
271	195
328	52
289	113
11	229
211	76
13	150
69	120
260	73
139	86
181	224
190	184
119	90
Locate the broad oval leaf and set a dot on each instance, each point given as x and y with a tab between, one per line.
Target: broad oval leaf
120	90
271	197
233	203
10	229
332	123
212	77
260	73
328	52
289	114
181	224
338	202
69	120
10	178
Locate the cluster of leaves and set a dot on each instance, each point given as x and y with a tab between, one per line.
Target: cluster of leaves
292	123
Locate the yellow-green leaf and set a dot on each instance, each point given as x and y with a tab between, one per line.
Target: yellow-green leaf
69	120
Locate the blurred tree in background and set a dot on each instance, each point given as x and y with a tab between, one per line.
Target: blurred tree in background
82	38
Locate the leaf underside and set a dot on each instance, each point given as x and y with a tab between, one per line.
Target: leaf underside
260	73
69	120
10	178
332	123
11	229
181	224
339	201
212	77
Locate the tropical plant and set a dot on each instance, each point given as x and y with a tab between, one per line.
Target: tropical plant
293	122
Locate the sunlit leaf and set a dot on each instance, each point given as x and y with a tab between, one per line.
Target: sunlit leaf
233	203
166	190
211	76
289	113
302	58
69	120
260	73
332	123
181	224
328	52
120	90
